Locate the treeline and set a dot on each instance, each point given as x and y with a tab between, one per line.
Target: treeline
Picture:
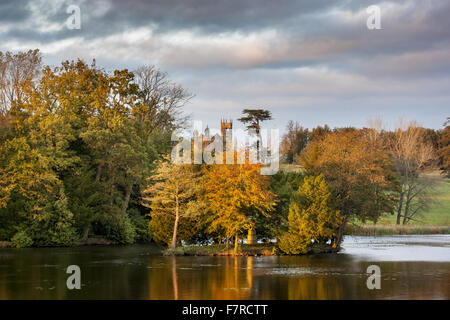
344	175
410	151
84	153
296	138
77	145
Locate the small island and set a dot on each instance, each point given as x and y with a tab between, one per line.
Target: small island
79	166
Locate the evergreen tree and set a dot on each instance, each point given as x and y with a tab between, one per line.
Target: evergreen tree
312	217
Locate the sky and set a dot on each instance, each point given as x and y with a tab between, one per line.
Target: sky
311	61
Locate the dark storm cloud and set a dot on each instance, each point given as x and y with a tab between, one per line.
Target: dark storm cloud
285	53
12	11
301	23
107	17
216	16
308	32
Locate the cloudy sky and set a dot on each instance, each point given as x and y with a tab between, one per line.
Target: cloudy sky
313	61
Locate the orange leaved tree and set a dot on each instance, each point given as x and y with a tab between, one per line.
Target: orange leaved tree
233	194
358	171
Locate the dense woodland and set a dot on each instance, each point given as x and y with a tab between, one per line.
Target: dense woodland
85	153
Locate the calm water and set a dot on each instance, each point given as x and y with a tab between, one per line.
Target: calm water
412	267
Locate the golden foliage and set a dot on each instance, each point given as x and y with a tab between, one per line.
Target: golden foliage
233	193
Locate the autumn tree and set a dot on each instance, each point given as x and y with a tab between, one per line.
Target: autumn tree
32	197
173	193
293	141
15	70
161	99
444	147
412	155
319	132
233	193
312	217
80	137
358	171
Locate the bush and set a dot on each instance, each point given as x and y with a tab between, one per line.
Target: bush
54	226
294	244
140	224
21	240
122	230
161	229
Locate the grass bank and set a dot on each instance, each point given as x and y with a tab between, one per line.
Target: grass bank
439	212
392	229
436	220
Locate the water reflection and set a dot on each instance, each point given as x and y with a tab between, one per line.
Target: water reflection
140	272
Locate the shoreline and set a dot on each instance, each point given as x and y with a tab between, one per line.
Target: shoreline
244	250
393	229
265	249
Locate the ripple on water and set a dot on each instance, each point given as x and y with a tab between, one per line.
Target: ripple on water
291	271
434	248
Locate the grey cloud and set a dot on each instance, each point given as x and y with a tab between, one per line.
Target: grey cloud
13	11
248	52
308	32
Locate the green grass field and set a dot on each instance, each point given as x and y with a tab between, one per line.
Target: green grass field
291	167
439	213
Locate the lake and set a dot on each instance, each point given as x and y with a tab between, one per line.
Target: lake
412	267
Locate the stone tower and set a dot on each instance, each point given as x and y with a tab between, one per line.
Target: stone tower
226	127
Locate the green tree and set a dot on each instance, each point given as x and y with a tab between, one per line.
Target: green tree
252	119
285	186
312	217
86	135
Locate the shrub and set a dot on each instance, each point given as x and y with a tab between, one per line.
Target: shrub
21	240
140	224
122	230
294	244
55	225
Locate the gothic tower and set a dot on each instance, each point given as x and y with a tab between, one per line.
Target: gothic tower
226	127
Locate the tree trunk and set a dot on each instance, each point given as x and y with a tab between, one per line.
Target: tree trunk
127	198
174	236
408	202
175	226
257	150
85	235
226	244
400	207
100	167
236	239
99	171
251	237
340	235
259	144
